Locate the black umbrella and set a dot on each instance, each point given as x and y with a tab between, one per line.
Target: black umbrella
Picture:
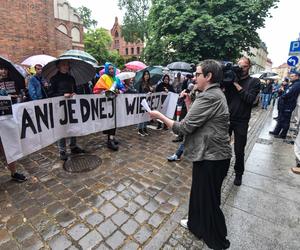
13	73
82	71
181	66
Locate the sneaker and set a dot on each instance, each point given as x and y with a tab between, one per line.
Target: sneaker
237	180
77	150
159	126
141	132
173	157
145	131
63	156
116	141
112	145
296	170
18	177
184	223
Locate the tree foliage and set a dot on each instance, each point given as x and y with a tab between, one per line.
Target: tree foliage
134	26
97	42
86	17
193	30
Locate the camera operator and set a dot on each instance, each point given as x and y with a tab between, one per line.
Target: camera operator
240	98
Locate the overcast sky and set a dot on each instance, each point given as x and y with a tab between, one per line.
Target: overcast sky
279	30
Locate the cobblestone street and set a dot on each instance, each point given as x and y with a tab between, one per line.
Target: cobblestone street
134	199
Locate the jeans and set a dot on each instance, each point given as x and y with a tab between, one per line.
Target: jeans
180	150
265	100
62	144
142	125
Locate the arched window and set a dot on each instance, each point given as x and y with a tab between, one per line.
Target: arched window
116	34
75	33
63	29
63	11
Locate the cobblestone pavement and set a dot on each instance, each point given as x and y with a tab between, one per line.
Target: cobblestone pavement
134	200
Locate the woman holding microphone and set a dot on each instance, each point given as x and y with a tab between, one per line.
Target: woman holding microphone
205	128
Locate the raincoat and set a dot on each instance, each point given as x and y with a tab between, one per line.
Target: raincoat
108	82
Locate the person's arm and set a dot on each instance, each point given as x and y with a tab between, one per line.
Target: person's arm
248	96
294	90
32	89
201	110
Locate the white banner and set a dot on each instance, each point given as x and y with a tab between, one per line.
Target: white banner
37	124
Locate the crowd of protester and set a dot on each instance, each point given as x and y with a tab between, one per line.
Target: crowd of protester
207	115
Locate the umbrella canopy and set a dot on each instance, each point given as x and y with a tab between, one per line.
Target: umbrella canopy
79	69
126	75
156	73
21	70
81	55
13	73
135	65
38	59
180	66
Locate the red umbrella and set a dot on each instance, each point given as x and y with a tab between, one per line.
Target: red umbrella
135	65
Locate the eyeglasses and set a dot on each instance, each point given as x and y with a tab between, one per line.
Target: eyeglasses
198	74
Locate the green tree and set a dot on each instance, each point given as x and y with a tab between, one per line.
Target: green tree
193	30
135	27
97	42
86	17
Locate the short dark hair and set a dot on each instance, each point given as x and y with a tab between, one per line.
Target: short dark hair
213	67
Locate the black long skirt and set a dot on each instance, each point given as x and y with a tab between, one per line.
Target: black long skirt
206	219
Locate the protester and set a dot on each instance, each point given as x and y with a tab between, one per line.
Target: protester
164	85
63	84
4	78
275	88
240	98
207	145
283	88
37	84
286	105
145	87
187	98
266	94
108	81
177	83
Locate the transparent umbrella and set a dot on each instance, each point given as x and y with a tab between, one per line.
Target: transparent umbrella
81	55
82	71
38	59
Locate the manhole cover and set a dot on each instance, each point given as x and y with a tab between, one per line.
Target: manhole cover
82	163
264	141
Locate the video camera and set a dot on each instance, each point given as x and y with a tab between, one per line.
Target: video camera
231	73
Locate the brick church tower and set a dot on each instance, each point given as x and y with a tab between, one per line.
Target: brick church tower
38	27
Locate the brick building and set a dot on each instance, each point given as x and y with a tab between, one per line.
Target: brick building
38	27
125	49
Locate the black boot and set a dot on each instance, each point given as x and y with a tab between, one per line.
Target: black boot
112	145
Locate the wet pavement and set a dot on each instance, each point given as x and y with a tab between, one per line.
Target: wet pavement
135	198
